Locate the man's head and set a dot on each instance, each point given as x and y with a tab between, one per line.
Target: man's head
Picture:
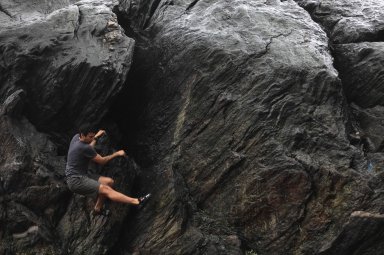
87	133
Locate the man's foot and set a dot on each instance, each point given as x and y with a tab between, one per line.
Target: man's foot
143	200
101	212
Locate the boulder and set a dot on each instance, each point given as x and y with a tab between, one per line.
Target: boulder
62	64
39	215
348	21
70	57
245	126
256	125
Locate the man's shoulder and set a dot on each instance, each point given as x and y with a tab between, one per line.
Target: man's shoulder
76	144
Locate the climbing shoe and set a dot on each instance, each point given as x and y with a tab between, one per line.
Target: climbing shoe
102	212
143	200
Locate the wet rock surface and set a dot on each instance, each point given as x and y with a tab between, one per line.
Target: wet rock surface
62	63
348	21
247	121
39	215
68	58
256	124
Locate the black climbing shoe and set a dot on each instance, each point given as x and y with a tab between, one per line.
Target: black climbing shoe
102	212
143	200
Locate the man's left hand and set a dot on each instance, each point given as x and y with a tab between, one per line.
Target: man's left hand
100	133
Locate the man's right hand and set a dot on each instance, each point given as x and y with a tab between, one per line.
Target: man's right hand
104	160
120	153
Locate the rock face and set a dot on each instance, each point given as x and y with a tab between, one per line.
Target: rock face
70	59
39	215
257	125
247	126
62	63
348	21
360	65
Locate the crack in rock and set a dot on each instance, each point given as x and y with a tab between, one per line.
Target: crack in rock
274	37
191	5
2	9
78	23
151	13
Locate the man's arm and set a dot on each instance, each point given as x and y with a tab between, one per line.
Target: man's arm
99	134
104	160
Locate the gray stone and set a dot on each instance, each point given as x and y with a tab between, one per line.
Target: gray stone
348	21
249	135
360	66
13	105
55	51
39	213
247	128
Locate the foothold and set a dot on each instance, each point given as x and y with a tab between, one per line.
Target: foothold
112	24
370	166
14	104
31	230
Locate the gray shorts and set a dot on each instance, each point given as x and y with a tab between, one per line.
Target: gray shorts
86	185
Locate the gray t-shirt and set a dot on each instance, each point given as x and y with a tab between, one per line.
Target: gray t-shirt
79	155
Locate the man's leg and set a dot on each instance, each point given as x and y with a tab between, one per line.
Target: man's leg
100	197
112	194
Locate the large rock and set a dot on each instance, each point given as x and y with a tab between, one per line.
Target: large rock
359	62
246	138
39	215
32	192
360	66
246	129
70	57
358	236
348	21
62	63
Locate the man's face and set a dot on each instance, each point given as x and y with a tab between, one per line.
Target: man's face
87	138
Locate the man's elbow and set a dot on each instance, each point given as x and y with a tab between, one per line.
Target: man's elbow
102	161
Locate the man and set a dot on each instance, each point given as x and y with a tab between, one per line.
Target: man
81	152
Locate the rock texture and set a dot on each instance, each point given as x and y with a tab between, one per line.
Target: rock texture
39	215
62	63
68	58
247	126
348	21
256	124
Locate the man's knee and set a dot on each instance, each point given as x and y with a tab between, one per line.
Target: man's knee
104	189
106	181
111	182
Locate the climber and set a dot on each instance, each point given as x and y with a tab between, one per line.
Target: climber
81	152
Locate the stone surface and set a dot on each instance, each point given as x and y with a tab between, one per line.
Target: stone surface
348	21
256	124
246	126
32	193
62	63
66	55
39	215
360	66
364	230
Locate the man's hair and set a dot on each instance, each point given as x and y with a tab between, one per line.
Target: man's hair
85	129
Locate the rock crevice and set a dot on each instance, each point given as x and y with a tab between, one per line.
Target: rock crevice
5	11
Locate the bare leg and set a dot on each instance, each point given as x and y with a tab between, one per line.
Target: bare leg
100	198
116	196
